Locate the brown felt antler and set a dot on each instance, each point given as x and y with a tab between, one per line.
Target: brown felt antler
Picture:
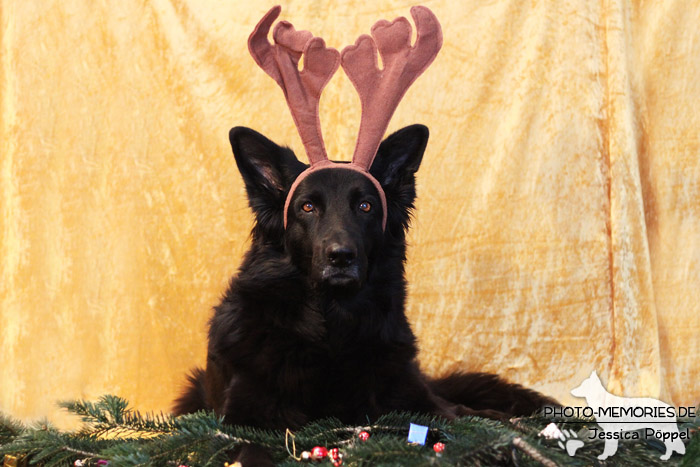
302	89
380	90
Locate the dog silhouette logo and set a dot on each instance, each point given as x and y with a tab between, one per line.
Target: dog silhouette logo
624	418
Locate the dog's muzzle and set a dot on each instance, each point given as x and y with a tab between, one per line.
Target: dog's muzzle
342	268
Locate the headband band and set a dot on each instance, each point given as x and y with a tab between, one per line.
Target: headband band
334	165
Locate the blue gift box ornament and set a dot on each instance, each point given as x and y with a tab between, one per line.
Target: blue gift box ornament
417	434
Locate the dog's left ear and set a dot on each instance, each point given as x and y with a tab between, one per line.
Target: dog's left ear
400	155
398	159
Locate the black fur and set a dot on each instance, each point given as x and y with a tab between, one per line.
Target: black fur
313	325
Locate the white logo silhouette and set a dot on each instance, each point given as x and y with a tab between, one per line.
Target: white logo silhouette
568	439
617	416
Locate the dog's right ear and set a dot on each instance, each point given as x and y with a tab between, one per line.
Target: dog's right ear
268	171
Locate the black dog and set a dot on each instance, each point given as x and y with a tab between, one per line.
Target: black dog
314	325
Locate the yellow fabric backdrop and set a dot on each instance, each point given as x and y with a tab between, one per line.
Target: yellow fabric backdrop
558	225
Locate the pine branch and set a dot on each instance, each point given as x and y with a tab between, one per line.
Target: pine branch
523	445
112	431
9	429
112	416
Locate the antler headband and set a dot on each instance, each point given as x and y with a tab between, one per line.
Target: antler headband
380	90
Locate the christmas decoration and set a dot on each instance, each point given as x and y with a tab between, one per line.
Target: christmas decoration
364	436
115	434
14	461
417	433
319	453
336	457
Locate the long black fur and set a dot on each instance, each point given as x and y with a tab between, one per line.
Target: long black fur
287	346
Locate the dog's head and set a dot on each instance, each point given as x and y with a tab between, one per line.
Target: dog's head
334	221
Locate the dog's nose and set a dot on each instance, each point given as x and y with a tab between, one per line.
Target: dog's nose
341	255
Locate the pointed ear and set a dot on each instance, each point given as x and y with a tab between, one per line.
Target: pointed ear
400	155
268	171
398	159
265	166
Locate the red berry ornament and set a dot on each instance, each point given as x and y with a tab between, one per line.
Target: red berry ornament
364	436
318	453
334	454
439	447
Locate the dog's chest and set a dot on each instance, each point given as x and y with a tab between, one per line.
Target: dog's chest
332	381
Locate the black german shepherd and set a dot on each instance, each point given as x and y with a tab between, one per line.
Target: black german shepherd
313	325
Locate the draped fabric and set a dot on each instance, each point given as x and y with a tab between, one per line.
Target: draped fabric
557	229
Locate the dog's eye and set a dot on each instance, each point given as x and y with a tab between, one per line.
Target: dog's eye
307	207
365	206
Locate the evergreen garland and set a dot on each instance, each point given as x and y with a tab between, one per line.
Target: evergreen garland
116	435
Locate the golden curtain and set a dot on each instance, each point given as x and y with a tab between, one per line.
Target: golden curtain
558	221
